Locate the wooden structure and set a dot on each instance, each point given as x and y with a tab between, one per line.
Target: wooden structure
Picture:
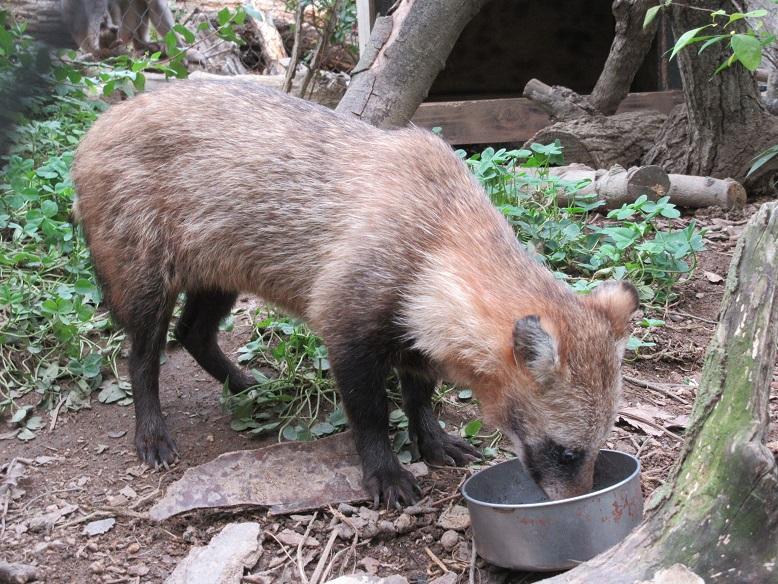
477	99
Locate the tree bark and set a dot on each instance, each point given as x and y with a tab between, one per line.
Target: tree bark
717	515
406	51
44	21
631	44
727	123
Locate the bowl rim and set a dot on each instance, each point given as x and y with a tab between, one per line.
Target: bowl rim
590	495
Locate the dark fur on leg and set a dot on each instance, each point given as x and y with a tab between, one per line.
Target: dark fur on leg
197	331
360	371
434	445
152	439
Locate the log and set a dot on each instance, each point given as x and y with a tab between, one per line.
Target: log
618	186
587	136
44	21
717	515
406	51
270	42
705	191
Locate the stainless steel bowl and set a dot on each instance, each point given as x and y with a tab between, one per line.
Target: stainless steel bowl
516	526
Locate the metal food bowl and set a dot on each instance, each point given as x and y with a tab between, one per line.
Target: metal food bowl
516	526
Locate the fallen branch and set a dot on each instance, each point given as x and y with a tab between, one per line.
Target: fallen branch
618	186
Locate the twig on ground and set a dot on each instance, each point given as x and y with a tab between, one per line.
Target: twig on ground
648	422
436	559
300	560
471	574
694	316
317	572
659	388
55	414
149	496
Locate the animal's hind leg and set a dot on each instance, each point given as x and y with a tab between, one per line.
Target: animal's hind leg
197	330
146	321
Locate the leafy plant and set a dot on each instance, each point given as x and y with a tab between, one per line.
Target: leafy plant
631	242
746	48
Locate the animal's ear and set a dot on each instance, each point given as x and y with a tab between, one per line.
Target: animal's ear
618	301
535	348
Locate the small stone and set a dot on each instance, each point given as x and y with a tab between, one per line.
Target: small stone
386	528
447	578
138	570
289	537
419	510
128	492
463	552
370	565
700	295
100	527
368	514
190	534
40	547
346	509
345	532
97	567
92	546
117	501
101	448
404	523
45	459
419	469
456	518
306	519
209	438
133	548
449	539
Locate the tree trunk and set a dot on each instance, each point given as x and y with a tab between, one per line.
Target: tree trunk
727	124
406	51
630	46
44	21
587	136
717	515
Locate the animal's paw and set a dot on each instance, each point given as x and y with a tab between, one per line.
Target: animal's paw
155	447
443	449
395	486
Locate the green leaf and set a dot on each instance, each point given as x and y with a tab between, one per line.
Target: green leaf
25	435
712	41
748	50
762	159
651	15
35	423
686	39
472	428
405	457
188	35
322	429
223	16
289	433
20	414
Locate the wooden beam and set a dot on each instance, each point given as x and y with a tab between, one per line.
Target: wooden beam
366	13
516	119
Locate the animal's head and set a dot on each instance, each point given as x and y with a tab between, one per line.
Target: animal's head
560	401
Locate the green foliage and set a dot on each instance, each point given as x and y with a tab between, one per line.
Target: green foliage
633	242
53	338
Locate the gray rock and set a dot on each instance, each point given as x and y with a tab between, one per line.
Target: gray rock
100	527
360	578
449	539
223	560
456	518
447	578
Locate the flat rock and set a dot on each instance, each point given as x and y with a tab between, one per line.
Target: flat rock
449	539
361	578
94	528
223	560
447	578
675	574
289	537
289	477
456	518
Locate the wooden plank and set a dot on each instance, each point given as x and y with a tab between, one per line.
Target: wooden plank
513	119
366	13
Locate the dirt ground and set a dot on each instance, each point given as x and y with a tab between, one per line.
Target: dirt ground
87	466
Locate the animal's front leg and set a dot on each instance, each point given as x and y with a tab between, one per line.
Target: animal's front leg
434	445
361	376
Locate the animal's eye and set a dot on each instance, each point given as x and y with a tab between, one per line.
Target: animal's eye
569	456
